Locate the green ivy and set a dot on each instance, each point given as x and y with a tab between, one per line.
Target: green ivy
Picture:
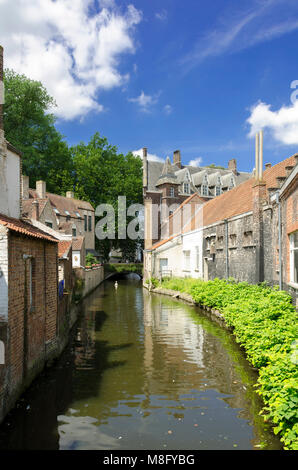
264	322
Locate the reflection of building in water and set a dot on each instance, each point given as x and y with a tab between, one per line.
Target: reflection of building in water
173	343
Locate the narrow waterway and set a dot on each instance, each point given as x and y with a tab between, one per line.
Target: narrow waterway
143	371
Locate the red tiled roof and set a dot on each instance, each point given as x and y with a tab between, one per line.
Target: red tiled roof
77	243
239	200
17	225
63	248
236	201
27	207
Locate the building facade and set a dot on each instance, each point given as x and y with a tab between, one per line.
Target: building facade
249	233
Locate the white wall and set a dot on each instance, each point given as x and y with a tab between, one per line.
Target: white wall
190	243
76	259
10	181
173	251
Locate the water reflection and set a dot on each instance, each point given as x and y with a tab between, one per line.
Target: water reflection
143	371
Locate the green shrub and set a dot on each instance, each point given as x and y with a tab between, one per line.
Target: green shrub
264	323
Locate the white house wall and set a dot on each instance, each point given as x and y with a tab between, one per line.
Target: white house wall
190	242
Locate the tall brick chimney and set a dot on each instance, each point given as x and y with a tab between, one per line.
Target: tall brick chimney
1	89
177	158
35	210
232	165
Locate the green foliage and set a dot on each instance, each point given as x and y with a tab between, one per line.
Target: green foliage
90	259
123	268
265	324
30	128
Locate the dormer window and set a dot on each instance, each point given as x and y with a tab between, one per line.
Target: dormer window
186	188
204	190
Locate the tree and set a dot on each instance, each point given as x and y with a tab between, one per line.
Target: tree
31	129
101	175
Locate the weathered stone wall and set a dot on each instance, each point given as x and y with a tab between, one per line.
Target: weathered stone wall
91	278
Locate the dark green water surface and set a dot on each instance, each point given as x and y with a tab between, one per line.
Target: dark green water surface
143	371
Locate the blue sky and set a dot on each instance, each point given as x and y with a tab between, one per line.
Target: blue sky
198	76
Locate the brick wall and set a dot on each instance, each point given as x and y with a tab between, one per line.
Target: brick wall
32	313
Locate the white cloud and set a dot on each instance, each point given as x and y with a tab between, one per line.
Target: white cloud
145	102
241	28
168	109
74	53
162	15
282	124
196	162
150	156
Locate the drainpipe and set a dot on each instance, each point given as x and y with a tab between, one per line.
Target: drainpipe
279	239
227	248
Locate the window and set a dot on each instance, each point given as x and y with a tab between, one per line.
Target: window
49	224
198	258
172	192
233	240
232	184
74	231
90	223
186	188
78	215
186	256
85	222
56	210
217	190
294	258
204	190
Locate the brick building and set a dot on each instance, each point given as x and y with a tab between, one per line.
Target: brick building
166	185
249	233
64	214
28	283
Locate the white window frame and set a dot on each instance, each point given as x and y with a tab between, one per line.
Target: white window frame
186	188
186	260
198	261
293	249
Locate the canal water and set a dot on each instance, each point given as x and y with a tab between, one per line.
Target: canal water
143	371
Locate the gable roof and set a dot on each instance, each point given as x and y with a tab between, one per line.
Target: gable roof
63	203
63	248
20	226
239	200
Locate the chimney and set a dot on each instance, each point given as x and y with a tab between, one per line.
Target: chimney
232	166
261	155
1	89
268	165
177	158
257	158
145	168
35	210
25	187
41	189
70	194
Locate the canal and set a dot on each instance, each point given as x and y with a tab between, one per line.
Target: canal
143	371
